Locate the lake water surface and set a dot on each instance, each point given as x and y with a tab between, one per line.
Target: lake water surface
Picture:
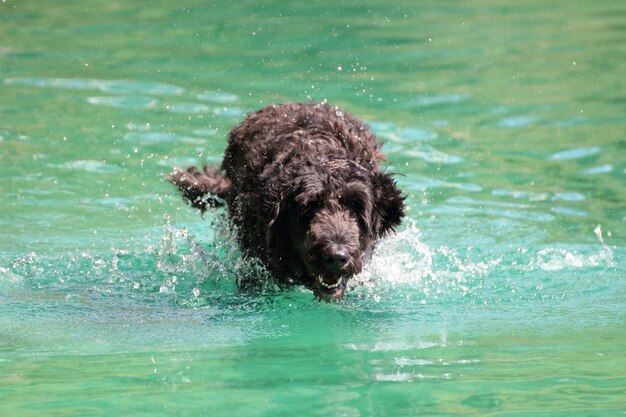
503	294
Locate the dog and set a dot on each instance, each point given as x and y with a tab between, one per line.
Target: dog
305	191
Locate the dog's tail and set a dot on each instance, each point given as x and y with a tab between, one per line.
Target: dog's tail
201	189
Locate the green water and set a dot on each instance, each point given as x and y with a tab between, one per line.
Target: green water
504	293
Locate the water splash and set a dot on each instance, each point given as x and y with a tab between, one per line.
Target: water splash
182	269
408	268
557	259
176	269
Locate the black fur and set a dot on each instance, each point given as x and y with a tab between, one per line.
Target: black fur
305	191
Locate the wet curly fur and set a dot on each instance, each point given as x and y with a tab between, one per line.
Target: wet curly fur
305	190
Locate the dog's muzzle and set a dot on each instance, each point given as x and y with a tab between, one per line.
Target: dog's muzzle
330	286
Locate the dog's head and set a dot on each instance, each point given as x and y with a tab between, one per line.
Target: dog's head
327	224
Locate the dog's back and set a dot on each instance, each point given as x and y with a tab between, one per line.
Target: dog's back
281	135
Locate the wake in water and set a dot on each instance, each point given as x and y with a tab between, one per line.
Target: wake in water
181	269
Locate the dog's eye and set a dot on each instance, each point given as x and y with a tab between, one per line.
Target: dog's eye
357	208
308	212
354	201
355	197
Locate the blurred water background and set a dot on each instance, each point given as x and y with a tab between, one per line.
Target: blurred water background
502	295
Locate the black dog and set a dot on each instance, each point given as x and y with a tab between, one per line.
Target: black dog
304	189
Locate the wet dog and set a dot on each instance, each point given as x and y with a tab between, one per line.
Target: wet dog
305	191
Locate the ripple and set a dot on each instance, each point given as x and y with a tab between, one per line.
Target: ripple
218	97
569	211
90	166
527	215
438	100
109	86
143	87
151	136
228	111
421	183
524	195
392	346
575	153
517	121
124	102
8	135
119	203
206	132
430	154
417	134
568	196
74	84
602	169
177	162
187	108
378	126
148	138
390	148
393	133
471	201
570	122
399	137
495	212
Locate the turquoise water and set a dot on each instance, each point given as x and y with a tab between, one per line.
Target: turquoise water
504	293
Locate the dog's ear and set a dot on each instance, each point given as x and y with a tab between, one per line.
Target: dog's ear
388	208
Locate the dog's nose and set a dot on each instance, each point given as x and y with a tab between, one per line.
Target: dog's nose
336	259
